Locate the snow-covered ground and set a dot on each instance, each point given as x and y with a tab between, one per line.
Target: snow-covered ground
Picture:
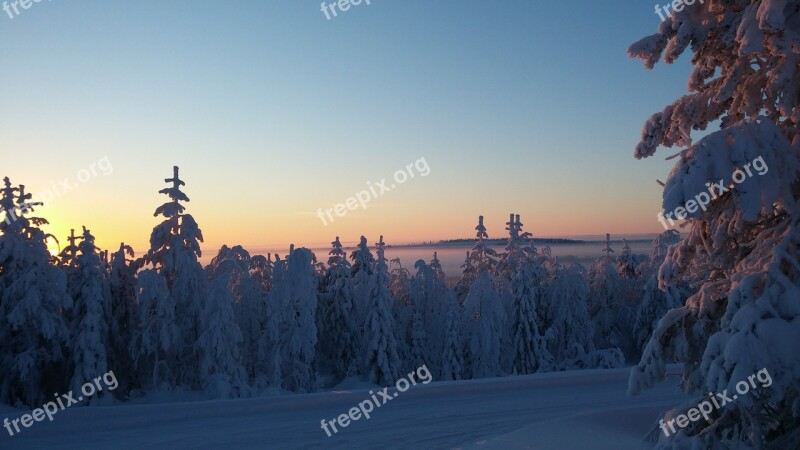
567	410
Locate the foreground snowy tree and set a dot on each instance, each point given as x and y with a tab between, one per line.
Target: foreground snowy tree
452	355
174	249
528	352
483	316
243	278
483	328
743	243
362	269
157	337
33	296
431	303
91	295
292	326
221	371
609	309
569	332
341	335
122	287
655	303
381	364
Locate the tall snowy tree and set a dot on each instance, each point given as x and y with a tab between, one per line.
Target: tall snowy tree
157	337
452	354
483	315
528	350
431	302
400	284
292	325
174	249
244	279
69	254
743	244
569	332
381	363
655	303
483	327
341	334
33	298
91	295
609	309
221	371
124	311
362	269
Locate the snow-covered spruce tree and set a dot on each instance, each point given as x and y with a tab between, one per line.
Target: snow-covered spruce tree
520	251
278	315
381	364
481	255
656	303
33	297
403	311
483	327
528	350
68	255
520	275
452	354
91	295
221	372
744	245
123	322
468	274
436	265
400	284
174	249
432	301
609	310
517	250
341	334
295	340
261	271
570	332
243	279
483	316
362	269
157	336
627	262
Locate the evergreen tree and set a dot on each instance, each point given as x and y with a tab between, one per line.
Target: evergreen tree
33	298
221	371
484	320
157	337
609	310
292	325
122	287
569	330
382	362
529	352
743	249
174	249
243	277
431	301
452	355
655	302
362	270
341	335
90	292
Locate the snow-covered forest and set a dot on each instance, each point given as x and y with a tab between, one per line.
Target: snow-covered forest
249	323
519	112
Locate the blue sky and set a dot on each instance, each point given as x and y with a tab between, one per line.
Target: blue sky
272	111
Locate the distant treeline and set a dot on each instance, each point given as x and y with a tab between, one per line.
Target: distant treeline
490	242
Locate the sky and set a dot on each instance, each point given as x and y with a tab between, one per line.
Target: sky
274	112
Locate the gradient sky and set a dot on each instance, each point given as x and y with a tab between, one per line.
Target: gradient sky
272	112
